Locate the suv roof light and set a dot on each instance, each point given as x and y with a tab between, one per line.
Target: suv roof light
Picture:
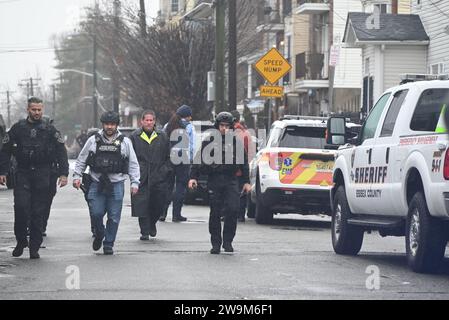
410	77
298	117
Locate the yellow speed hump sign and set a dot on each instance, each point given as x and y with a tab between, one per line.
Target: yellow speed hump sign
273	66
271	91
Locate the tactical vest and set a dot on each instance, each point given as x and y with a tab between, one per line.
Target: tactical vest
36	144
223	167
108	156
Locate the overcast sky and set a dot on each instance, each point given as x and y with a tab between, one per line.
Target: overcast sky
26	29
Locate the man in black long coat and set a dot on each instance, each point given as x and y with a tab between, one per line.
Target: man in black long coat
153	153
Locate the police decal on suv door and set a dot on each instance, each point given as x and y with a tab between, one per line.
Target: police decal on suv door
370	174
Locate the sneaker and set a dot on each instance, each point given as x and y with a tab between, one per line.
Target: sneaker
179	219
228	247
108	251
153	230
96	245
144	238
162	218
18	250
215	250
34	254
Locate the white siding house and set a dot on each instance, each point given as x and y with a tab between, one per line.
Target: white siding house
435	18
386	54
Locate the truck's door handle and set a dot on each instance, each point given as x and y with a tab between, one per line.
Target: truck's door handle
387	155
370	152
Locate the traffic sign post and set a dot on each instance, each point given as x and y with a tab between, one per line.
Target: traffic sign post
271	91
273	66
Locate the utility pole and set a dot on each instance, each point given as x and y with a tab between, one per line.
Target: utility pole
8	106
94	70
115	76
30	84
142	15
53	113
331	107
220	15
94	80
232	72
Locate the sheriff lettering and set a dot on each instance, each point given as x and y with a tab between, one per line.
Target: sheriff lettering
370	174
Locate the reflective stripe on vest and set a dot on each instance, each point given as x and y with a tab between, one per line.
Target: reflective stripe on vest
144	136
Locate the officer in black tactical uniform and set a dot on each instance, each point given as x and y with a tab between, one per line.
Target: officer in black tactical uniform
54	175
36	145
223	183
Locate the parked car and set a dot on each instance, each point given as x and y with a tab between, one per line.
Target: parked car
293	173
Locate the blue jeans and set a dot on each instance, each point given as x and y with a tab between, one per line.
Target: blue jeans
100	204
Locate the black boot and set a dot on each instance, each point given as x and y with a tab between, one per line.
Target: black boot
18	250
215	250
227	246
153	230
34	254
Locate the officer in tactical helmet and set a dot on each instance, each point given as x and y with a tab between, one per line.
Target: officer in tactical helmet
222	165
37	146
110	157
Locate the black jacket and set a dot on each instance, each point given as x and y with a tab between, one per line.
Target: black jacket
154	158
238	167
36	144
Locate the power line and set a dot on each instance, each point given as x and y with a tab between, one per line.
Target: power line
8	1
41	50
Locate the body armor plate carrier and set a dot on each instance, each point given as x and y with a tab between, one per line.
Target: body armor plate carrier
108	157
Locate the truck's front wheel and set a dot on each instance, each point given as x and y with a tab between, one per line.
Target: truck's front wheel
424	237
346	239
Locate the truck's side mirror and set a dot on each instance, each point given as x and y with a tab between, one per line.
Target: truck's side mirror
336	131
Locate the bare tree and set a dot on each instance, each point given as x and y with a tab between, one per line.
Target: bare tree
162	69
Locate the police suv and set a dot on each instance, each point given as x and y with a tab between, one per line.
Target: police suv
293	173
394	177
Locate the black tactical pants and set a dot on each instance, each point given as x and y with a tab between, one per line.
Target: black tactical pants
51	194
31	194
224	201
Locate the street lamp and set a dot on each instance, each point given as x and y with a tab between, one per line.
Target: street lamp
85	73
95	93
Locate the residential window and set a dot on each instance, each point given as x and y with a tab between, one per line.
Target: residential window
436	68
383	7
373	119
367	67
428	110
393	112
174	5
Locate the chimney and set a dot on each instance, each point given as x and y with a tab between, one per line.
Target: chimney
394	6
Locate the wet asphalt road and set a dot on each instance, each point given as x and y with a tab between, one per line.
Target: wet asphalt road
291	259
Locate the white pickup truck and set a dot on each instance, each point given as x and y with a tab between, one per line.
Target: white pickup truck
394	177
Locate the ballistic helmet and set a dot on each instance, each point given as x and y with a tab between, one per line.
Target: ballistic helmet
110	117
224	117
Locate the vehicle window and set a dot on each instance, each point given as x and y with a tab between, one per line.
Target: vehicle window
393	112
274	137
373	119
428	110
303	137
